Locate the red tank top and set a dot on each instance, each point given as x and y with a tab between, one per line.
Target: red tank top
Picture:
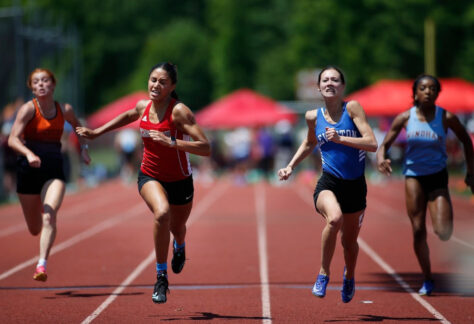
41	129
161	162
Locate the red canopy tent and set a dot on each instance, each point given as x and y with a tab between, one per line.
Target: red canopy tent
390	97
115	108
245	108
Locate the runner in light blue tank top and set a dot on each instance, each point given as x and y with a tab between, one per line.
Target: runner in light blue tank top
425	169
426	145
341	161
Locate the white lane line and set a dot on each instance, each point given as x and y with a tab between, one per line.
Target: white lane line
142	266
76	209
262	251
138	208
384	265
196	213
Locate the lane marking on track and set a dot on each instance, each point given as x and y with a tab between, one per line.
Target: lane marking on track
198	287
138	208
374	256
385	266
135	273
76	209
262	251
196	213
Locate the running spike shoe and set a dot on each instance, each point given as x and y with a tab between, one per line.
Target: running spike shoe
179	257
427	288
161	289
319	288
40	274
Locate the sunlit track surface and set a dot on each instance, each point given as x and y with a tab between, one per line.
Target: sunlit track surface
253	253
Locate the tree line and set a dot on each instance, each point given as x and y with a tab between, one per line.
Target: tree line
223	45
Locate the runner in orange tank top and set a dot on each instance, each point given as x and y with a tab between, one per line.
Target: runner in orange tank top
165	180
35	136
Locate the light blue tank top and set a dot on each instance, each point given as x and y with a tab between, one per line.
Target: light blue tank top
426	145
340	160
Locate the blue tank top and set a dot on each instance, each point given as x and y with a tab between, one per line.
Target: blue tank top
426	145
340	160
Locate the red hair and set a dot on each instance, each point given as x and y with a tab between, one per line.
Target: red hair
37	70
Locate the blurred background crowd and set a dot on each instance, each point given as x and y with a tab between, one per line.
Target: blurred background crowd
101	52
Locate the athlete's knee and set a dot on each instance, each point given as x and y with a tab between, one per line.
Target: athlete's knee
419	233
444	233
49	220
334	222
349	245
162	216
34	230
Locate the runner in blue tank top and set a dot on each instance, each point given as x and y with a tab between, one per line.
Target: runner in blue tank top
426	176
344	135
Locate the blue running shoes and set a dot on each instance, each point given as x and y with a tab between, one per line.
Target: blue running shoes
319	288
427	288
348	288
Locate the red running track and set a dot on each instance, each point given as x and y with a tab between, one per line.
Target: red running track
253	253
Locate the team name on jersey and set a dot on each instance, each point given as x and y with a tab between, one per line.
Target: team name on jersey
427	134
341	132
146	132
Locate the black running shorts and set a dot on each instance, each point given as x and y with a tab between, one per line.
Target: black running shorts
179	192
31	180
350	194
432	182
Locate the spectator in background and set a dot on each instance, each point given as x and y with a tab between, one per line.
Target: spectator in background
8	154
36	137
266	147
126	143
426	175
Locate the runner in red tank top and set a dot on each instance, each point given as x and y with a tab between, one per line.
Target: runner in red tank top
165	180
35	136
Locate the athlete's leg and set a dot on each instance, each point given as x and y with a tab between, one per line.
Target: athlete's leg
32	210
350	231
441	212
416	203
52	196
155	197
329	208
179	217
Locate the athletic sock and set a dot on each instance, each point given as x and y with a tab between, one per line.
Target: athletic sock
41	262
161	268
178	246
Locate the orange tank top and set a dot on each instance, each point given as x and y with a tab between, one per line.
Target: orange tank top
41	129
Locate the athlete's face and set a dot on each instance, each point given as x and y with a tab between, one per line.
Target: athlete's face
426	92
160	85
331	84
42	85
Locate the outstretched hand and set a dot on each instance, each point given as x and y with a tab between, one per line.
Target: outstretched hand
384	166
86	132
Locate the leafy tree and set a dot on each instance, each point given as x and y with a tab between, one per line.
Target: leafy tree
185	44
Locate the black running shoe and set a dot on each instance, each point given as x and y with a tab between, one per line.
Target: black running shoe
161	288
177	263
